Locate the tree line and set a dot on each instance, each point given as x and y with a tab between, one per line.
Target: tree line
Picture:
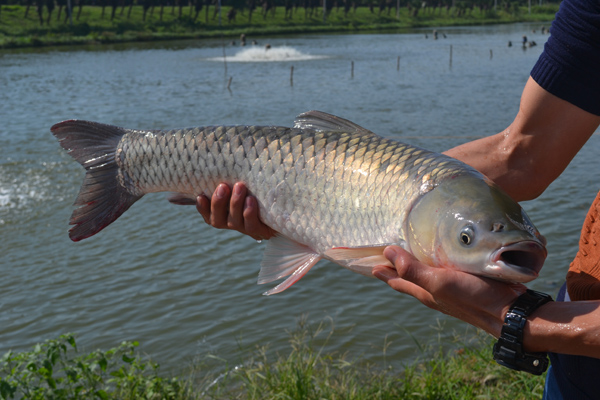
311	8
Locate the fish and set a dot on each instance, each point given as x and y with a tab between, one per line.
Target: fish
330	188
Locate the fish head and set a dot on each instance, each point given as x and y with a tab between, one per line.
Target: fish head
468	223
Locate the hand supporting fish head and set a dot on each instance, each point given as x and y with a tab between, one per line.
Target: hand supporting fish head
469	224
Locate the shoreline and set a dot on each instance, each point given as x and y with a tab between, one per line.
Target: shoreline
95	28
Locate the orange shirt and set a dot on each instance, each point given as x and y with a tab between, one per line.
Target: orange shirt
583	278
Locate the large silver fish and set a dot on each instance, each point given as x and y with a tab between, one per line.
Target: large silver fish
331	188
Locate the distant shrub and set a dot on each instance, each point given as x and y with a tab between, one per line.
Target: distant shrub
82	29
124	26
544	9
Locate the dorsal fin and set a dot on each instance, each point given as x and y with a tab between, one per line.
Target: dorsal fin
321	121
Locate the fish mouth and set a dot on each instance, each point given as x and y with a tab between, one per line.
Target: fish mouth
518	262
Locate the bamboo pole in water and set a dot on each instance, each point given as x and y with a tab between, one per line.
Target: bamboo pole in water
224	55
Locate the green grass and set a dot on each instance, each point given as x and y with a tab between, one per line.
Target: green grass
306	372
92	27
56	369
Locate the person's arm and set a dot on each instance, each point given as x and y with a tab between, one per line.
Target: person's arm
560	327
536	148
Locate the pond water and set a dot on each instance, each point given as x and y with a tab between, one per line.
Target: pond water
183	289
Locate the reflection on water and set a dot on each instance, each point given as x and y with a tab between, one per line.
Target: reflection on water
158	274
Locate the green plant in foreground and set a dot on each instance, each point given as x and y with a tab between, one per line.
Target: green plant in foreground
55	370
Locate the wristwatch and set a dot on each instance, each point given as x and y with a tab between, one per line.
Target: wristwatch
508	350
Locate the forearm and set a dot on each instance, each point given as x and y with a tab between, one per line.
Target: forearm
536	148
566	328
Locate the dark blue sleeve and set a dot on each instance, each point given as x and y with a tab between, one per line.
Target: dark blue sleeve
569	67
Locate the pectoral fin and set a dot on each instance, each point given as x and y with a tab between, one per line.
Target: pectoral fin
361	259
351	253
285	257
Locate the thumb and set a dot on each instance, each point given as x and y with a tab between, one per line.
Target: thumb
406	276
407	265
384	273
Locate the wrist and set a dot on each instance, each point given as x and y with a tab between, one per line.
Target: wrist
564	327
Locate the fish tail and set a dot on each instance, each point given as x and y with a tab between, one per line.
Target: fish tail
102	199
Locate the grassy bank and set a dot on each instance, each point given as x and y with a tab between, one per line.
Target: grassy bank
20	27
56	369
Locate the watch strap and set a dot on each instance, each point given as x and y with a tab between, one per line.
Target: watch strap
508	350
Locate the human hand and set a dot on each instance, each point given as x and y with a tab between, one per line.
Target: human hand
233	209
481	302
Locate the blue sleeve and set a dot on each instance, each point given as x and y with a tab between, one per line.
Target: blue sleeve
569	67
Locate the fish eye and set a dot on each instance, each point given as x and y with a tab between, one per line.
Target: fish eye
466	235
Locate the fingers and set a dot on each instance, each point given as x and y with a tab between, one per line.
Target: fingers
219	207
233	209
203	207
252	222
215	211
236	208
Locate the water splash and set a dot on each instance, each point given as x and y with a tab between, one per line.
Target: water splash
26	185
15	194
273	54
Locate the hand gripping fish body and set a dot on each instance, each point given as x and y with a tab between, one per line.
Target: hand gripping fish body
330	188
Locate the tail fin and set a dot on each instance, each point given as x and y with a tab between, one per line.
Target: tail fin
102	199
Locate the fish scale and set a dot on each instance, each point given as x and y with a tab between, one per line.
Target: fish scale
325	185
346	183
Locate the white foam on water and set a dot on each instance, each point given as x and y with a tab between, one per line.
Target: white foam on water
273	54
19	195
27	189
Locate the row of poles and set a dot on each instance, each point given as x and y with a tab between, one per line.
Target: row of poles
351	68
